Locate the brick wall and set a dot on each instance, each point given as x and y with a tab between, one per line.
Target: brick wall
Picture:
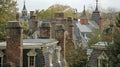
14	44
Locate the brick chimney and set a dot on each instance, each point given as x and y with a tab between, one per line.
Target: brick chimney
31	14
61	37
101	24
59	15
70	28
34	21
14	49
84	21
45	30
69	19
18	17
71	31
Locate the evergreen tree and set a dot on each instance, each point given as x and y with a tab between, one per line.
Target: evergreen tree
115	47
7	12
118	21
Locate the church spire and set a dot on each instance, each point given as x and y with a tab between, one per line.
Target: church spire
24	11
84	13
84	8
96	14
96	5
24	7
83	18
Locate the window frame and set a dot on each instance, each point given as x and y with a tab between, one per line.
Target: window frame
103	58
31	55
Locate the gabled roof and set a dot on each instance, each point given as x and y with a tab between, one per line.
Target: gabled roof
93	60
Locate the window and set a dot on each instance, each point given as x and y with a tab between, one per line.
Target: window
1	58
103	60
31	58
0	62
102	63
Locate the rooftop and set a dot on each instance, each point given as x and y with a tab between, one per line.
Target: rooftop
33	43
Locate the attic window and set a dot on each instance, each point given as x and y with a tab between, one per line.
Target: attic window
103	60
31	58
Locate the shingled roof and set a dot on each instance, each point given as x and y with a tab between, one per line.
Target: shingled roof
93	60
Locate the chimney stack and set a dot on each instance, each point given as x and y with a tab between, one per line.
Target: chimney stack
45	30
31	14
61	37
69	19
18	17
14	47
101	24
59	15
71	31
34	21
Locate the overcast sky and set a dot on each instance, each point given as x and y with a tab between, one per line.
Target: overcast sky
78	4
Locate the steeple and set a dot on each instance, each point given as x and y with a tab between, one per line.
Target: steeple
96	10
96	14
24	12
84	14
24	7
84	18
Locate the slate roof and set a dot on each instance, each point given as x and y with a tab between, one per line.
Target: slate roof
93	61
95	51
83	27
87	27
76	35
42	58
94	24
30	43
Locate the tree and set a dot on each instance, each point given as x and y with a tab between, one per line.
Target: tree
7	12
95	37
108	15
115	47
49	13
75	57
25	29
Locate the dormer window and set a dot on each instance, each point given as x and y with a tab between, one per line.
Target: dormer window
103	60
31	58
